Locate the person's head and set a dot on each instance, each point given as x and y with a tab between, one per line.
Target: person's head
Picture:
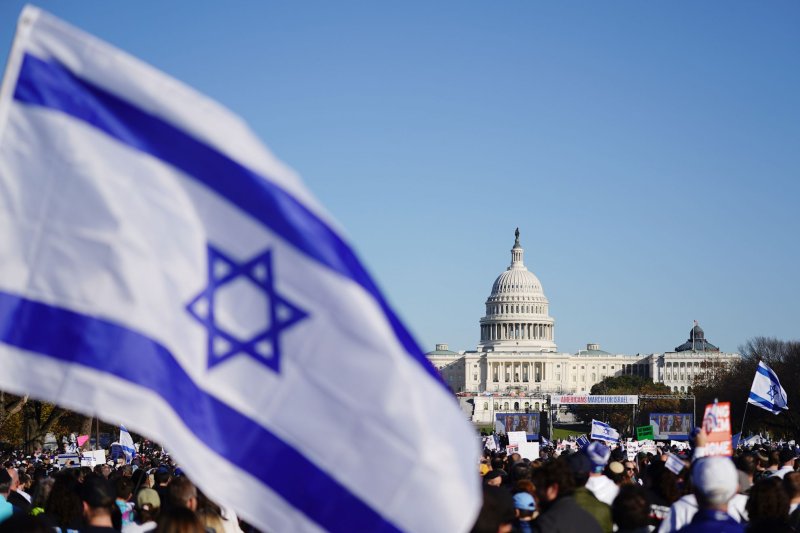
161	476
5	482
25	481
631	507
768	502
786	457
124	488
180	520
148	505
182	493
552	481
14	475
599	454
493	478
791	483
98	496
524	505
580	466
497	512
715	482
519	471
64	503
630	469
42	492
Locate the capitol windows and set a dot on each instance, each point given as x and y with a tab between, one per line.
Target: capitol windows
474	377
485	406
536	406
505	406
516	406
527	405
496	406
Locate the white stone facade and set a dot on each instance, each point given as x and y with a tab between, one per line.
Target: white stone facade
517	352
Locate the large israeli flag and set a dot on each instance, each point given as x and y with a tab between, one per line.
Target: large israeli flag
158	265
766	391
604	432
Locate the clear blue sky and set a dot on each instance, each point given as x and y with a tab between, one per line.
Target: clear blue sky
648	151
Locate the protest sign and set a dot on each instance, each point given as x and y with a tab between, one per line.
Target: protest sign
644	433
517	437
717	424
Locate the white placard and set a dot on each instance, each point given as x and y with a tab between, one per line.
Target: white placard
517	437
529	450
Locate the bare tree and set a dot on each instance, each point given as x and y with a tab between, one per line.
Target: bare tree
10	405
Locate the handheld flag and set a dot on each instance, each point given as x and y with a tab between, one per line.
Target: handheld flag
766	391
602	431
142	222
126	441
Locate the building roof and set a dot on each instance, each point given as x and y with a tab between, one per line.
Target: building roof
697	342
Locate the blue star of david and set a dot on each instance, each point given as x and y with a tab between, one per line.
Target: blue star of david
773	392
264	345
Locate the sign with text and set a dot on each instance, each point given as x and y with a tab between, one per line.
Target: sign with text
717	423
644	433
594	399
671	426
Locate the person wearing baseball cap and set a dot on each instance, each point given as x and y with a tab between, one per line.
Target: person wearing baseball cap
601	485
715	482
525	507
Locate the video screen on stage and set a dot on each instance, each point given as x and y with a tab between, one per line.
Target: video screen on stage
527	422
671	426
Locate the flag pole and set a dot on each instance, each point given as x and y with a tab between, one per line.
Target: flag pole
741	429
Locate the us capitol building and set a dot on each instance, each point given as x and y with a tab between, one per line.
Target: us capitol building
517	353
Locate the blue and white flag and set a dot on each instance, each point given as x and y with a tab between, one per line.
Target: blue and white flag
602	431
126	442
158	265
766	391
582	441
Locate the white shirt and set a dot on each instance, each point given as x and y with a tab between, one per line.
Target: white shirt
683	510
603	488
782	471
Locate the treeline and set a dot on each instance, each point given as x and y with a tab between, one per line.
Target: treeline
732	384
727	383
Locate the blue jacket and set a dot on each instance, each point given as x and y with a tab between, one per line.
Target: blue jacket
707	521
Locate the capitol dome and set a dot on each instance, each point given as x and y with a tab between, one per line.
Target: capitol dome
517	311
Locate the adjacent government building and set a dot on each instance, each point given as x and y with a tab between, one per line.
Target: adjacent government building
517	353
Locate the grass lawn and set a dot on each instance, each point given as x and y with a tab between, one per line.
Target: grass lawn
562	433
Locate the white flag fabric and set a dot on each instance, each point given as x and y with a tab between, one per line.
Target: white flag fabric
602	431
126	441
766	391
159	266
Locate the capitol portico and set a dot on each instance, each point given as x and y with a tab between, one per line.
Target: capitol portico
517	352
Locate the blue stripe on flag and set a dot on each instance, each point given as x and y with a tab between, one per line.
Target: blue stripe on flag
49	84
766	404
62	335
766	372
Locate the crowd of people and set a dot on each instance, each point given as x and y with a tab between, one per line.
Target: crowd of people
600	488
150	494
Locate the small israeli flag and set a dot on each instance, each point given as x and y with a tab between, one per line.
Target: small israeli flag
766	391
604	432
158	265
126	441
